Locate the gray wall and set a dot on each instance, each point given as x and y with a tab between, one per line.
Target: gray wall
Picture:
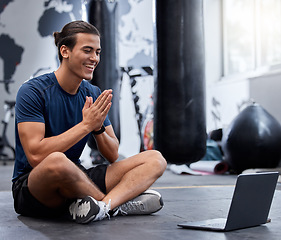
265	90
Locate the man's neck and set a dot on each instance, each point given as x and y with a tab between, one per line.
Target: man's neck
67	81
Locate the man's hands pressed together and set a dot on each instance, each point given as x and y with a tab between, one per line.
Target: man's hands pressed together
95	113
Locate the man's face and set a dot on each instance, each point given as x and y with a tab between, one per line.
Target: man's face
85	55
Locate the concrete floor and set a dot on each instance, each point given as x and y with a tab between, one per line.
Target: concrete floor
186	198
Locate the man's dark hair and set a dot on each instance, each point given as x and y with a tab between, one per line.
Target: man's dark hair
67	36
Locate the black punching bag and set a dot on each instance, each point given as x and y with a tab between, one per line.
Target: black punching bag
180	125
103	15
252	140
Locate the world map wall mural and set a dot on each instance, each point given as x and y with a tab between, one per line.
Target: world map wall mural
34	25
27	49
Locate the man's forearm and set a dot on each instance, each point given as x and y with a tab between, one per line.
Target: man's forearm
37	149
108	146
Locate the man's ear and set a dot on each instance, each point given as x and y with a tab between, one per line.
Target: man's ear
64	51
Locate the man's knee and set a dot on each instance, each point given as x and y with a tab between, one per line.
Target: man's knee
55	159
158	161
58	166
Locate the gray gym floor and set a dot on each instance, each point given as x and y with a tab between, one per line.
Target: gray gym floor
185	197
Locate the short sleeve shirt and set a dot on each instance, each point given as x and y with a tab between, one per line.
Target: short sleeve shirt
41	99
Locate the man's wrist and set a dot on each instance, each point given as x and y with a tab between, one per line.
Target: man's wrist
99	131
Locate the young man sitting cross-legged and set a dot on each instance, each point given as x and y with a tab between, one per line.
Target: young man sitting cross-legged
55	114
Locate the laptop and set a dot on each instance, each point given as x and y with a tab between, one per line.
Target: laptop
249	207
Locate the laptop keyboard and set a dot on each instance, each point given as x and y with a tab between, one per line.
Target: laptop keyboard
215	225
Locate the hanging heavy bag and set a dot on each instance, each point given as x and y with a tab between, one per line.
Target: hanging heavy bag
179	113
103	15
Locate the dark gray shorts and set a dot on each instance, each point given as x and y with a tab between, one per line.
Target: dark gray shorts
27	205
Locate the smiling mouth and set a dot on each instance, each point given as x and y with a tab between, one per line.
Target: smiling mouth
90	67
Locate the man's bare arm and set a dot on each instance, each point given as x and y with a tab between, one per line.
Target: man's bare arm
37	147
108	144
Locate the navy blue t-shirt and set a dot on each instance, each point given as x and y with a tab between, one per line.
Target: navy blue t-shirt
41	99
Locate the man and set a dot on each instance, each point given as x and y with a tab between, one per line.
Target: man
55	113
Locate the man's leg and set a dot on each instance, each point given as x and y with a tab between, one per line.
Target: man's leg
130	177
56	179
